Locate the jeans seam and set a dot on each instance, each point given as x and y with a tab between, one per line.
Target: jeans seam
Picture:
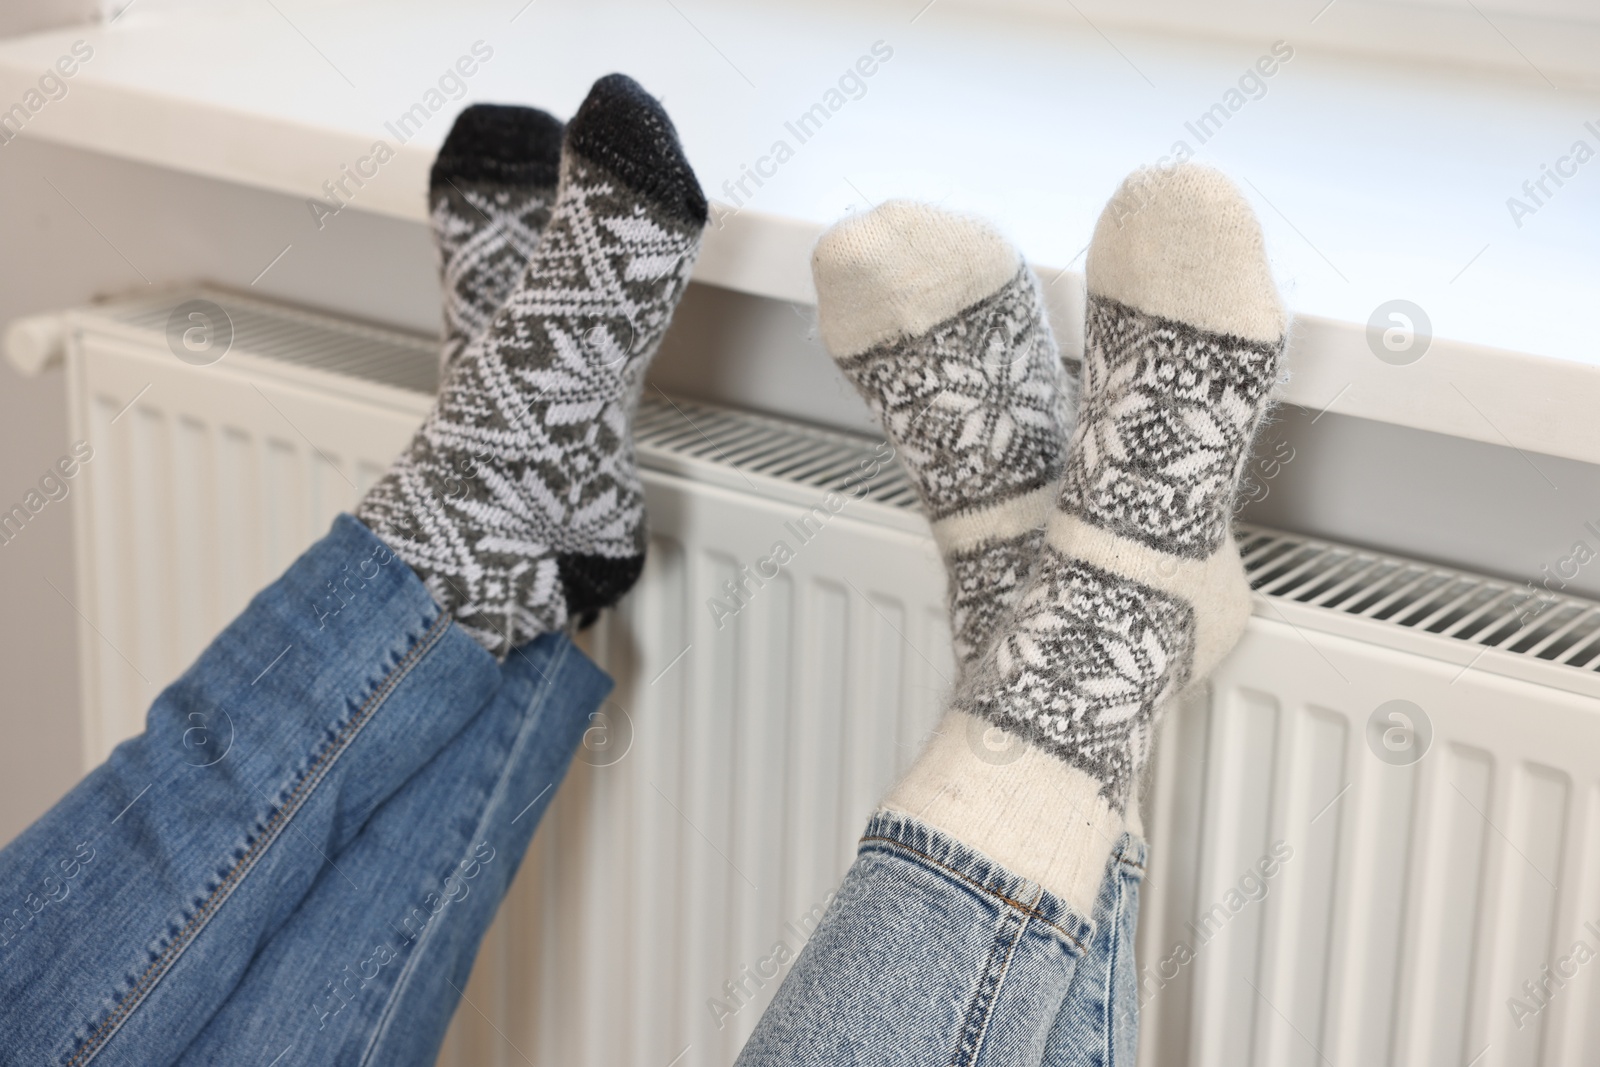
387	1015
1114	926
970	1044
1027	909
313	777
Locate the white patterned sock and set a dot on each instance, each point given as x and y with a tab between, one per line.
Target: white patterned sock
938	323
1139	590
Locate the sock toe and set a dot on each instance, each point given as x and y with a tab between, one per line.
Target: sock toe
624	129
1182	243
501	143
593	582
902	268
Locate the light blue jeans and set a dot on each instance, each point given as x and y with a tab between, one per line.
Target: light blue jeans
1098	1024
931	953
296	860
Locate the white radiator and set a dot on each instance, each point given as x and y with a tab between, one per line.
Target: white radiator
716	803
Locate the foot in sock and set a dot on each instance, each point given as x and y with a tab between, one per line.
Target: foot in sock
1139	590
518	502
490	193
939	324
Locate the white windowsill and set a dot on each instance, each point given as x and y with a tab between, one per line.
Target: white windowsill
1375	179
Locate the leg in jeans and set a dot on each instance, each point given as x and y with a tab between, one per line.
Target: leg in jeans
369	969
1133	590
136	903
1098	1025
929	954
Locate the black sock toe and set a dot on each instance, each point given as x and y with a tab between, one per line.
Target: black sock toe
625	130
501	143
595	582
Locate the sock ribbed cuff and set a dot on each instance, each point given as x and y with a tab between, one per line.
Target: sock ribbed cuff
1019	805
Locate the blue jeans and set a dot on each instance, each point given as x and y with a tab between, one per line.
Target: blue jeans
1098	1024
305	844
296	860
931	953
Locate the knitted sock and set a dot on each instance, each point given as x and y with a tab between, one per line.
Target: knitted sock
1139	589
938	323
518	502
489	194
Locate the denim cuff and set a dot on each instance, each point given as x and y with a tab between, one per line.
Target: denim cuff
899	834
1130	854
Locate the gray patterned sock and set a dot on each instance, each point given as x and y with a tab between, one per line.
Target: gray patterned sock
518	502
490	192
938	323
1139	590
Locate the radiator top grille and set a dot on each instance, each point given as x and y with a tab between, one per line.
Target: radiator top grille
1371	585
302	338
1466	607
799	463
823	460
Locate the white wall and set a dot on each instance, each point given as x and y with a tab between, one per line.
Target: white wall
28	16
1538	39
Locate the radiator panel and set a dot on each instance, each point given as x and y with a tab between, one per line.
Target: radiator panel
718	797
205	485
1418	898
